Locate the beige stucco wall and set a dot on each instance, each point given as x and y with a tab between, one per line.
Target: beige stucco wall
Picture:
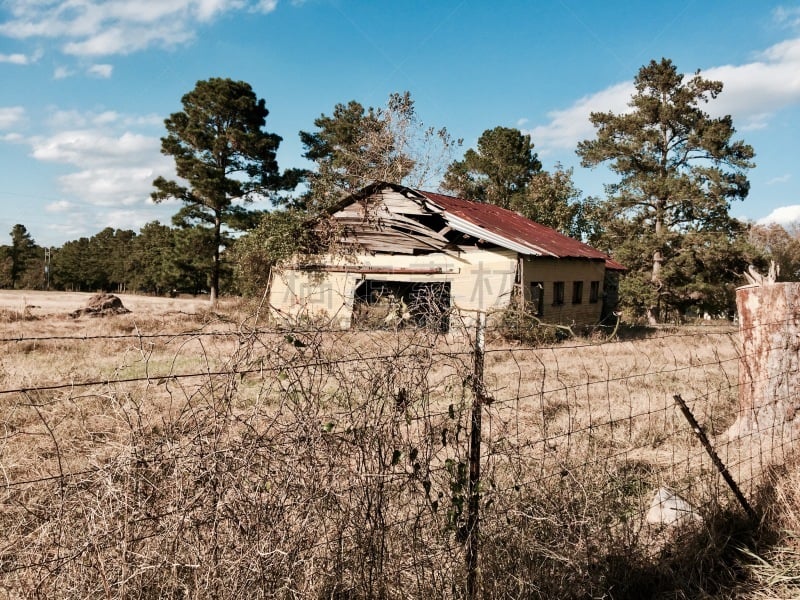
550	270
479	280
298	295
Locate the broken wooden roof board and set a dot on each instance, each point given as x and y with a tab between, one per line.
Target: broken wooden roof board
487	222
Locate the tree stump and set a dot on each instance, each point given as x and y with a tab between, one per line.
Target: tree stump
769	381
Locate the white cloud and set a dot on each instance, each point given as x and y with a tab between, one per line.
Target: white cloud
109	27
21	59
74	225
114	162
783	215
62	73
755	122
75	222
132	38
569	126
205	10
118	186
101	71
59	119
107	117
789	17
754	91
266	6
752	94
15	59
83	147
123	219
63	119
60	206
150	120
11	116
781	179
73	119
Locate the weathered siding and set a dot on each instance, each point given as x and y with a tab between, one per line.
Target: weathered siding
486	280
769	329
479	280
297	295
551	270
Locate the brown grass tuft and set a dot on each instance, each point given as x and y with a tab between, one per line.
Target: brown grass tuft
211	457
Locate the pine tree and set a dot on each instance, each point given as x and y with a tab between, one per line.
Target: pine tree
497	171
222	151
356	146
679	170
21	251
551	198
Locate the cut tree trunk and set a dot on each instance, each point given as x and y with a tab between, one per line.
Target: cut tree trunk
769	381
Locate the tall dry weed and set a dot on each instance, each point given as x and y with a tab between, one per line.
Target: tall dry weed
212	457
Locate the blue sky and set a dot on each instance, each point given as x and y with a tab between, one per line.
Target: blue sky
86	84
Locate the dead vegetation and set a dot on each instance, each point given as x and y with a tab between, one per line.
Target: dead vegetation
202	454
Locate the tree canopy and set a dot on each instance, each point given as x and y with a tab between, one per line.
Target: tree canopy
552	199
498	171
157	260
222	151
280	235
21	262
351	148
22	250
678	170
104	261
780	245
356	146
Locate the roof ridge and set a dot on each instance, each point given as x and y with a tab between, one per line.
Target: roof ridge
498	225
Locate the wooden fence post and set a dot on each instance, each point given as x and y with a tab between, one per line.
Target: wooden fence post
769	365
473	508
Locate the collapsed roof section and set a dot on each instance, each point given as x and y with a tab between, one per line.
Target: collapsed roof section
390	218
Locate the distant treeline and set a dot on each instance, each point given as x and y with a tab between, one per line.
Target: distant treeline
163	260
157	260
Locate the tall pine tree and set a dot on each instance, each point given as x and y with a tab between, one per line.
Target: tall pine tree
679	170
222	151
20	253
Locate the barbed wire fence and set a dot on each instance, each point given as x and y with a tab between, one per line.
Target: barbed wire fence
255	462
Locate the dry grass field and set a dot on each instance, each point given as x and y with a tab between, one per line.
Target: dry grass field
41	304
178	451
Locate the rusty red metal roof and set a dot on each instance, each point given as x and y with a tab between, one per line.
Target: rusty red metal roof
539	239
497	225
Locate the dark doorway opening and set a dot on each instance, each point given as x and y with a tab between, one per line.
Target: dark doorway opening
379	304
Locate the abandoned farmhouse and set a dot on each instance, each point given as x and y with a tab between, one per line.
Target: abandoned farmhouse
428	256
